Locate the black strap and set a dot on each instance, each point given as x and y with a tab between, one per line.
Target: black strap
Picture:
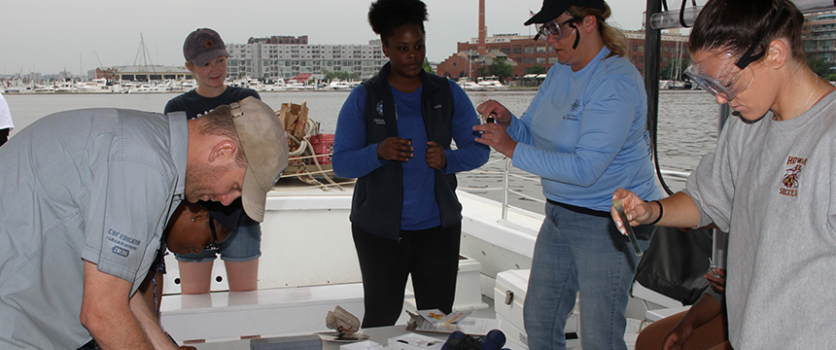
578	35
748	57
580	210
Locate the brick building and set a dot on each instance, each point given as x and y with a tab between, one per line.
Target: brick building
457	66
524	53
521	51
674	47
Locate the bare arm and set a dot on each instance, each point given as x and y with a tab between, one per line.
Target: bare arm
678	210
703	311
106	313
149	323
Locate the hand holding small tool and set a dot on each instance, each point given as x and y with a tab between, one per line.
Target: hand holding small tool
625	201
494	109
616	203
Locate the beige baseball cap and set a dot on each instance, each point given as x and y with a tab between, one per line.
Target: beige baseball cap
265	144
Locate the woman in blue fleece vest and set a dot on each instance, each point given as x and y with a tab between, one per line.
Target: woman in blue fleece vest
585	135
394	134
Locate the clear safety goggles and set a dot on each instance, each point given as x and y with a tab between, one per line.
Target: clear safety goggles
727	82
552	28
732	78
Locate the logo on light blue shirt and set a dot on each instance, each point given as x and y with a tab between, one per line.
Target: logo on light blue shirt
576	104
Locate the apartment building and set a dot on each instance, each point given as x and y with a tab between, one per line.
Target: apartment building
818	36
285	57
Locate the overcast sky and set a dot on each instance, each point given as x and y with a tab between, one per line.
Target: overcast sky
48	36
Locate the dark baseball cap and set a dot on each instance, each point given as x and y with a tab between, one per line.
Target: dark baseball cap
554	8
203	45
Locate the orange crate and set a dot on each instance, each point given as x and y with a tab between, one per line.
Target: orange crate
323	145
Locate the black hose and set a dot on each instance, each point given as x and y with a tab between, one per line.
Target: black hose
682	14
653	138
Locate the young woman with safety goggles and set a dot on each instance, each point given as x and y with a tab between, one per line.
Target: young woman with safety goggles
770	182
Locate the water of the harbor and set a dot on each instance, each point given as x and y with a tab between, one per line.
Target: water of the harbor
687	129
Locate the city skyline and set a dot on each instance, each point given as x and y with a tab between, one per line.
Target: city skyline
79	36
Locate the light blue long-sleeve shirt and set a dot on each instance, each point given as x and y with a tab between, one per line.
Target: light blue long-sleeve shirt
585	134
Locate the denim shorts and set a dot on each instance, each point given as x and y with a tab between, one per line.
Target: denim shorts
244	244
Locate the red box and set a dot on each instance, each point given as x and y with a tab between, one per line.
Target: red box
323	146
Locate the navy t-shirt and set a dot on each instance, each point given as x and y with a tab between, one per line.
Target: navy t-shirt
195	105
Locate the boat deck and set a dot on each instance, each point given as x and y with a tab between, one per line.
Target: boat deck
309	266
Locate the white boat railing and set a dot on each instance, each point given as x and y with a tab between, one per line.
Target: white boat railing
306	175
507	175
506	189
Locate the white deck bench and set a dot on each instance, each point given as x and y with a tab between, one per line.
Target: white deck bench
229	315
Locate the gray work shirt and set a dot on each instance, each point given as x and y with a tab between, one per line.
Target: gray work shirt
95	185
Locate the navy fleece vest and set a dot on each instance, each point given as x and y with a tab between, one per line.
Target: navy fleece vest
378	196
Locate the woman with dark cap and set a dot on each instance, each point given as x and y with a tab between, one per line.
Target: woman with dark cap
770	182
394	134
585	135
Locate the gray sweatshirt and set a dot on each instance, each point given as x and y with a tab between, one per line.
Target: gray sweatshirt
772	186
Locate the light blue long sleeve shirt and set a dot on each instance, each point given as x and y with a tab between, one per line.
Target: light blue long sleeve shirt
585	134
